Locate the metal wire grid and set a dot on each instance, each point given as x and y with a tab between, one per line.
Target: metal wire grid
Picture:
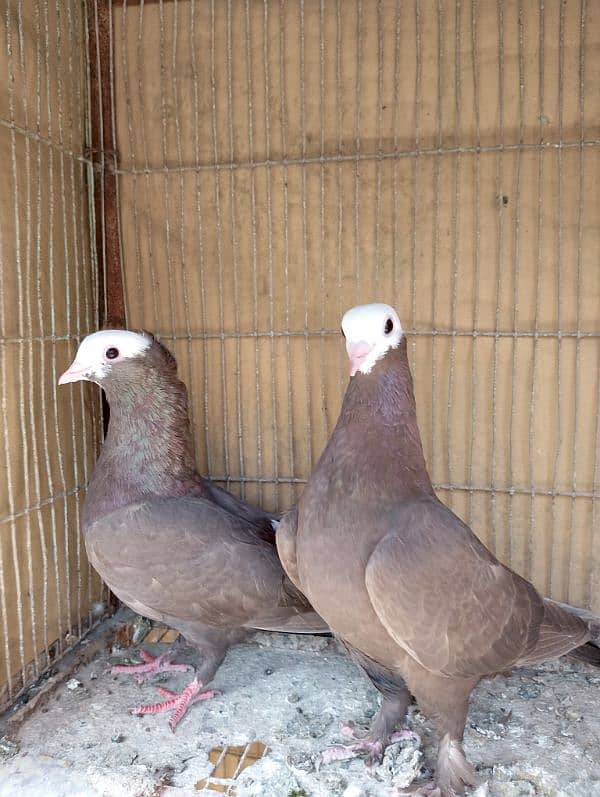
54	169
282	146
47	301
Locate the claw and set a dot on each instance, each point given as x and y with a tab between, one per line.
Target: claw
178	704
151	666
374	748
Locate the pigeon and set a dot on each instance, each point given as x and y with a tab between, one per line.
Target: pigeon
415	597
170	544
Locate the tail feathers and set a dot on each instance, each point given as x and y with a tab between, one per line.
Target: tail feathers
305	623
561	631
592	620
589	653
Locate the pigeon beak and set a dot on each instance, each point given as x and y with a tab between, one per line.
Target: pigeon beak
74	373
358	353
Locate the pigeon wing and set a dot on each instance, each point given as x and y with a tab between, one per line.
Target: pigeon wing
189	559
286	544
445	599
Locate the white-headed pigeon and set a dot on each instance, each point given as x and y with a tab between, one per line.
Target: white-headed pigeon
171	545
418	601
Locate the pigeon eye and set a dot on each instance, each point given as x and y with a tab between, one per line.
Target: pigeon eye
389	325
112	353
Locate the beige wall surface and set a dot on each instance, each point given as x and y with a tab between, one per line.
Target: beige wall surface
47	300
280	162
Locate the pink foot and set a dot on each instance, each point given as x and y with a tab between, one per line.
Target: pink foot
374	748
177	703
152	665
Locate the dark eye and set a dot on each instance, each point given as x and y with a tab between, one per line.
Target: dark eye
111	353
389	325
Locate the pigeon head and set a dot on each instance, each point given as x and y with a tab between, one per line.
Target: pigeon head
102	351
370	331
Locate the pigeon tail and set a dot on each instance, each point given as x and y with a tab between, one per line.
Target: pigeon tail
589	652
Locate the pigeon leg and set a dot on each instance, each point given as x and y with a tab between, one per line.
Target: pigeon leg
151	666
449	703
177	704
381	734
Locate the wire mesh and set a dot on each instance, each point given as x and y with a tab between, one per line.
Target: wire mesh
257	167
47	301
298	157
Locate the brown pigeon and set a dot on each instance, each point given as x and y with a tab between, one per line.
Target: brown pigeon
171	545
418	601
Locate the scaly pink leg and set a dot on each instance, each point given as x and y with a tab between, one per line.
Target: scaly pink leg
152	665
177	703
374	748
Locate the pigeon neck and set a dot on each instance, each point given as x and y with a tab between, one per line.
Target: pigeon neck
148	450
380	409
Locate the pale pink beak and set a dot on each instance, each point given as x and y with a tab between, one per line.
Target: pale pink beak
358	353
73	374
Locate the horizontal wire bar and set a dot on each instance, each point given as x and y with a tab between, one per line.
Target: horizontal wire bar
41	504
359	156
308	333
33	136
37	338
534	491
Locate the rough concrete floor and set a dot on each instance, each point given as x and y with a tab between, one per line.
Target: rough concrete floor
536	732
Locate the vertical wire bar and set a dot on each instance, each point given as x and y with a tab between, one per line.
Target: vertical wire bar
32	378
269	193
234	244
455	242
379	143
103	145
322	198
436	236
534	370
305	234
340	168
68	258
164	116
94	262
200	228
559	303
577	424
286	238
127	121
141	131
516	255
416	164
21	367
395	109
179	151
477	249
219	232
594	577
80	463
357	149
116	290
493	542
53	321
9	490
98	145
